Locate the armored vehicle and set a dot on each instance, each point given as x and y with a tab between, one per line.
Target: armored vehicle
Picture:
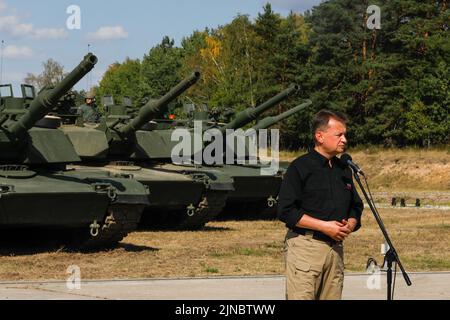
38	191
125	143
252	193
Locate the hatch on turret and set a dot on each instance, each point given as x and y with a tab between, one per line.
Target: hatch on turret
6	91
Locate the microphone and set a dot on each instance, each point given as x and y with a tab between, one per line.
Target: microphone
347	159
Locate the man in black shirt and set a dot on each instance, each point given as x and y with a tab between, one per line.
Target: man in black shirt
321	207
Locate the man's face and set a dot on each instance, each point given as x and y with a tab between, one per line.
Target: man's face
89	101
332	140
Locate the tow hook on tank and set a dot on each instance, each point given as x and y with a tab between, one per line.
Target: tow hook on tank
94	227
201	177
271	201
111	192
190	210
6	189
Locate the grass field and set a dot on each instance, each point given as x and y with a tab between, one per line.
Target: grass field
422	239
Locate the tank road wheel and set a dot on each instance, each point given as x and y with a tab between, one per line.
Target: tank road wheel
121	219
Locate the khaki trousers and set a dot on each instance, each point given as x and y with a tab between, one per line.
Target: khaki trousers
314	269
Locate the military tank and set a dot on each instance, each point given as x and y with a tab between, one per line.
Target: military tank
39	192
125	143
255	194
252	193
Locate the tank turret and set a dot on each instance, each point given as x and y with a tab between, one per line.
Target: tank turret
47	98
149	110
26	134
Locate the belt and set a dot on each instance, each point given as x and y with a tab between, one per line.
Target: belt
315	235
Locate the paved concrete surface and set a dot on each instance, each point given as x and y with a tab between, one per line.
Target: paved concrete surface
425	286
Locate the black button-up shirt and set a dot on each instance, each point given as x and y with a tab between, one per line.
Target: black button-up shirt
310	186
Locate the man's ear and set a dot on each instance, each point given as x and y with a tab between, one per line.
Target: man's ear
319	137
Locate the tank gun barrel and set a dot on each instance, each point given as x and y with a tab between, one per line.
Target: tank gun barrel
250	114
270	121
147	112
47	98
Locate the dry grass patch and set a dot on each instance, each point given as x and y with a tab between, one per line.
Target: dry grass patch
421	238
409	169
236	248
400	170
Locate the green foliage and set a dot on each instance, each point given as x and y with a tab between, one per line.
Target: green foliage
120	80
161	68
392	83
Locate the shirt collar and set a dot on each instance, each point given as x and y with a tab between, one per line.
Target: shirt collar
322	160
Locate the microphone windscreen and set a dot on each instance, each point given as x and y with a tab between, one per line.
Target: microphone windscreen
345	158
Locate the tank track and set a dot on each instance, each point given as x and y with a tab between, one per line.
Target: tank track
211	205
121	220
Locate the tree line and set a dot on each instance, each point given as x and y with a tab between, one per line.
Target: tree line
393	82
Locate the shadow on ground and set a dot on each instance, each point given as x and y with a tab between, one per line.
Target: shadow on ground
171	229
128	247
30	242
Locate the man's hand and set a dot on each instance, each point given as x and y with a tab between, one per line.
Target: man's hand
351	223
336	230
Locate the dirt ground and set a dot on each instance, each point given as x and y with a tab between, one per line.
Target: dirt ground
421	237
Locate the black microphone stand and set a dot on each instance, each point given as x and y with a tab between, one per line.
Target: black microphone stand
391	255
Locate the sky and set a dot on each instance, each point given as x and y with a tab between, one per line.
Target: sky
34	31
